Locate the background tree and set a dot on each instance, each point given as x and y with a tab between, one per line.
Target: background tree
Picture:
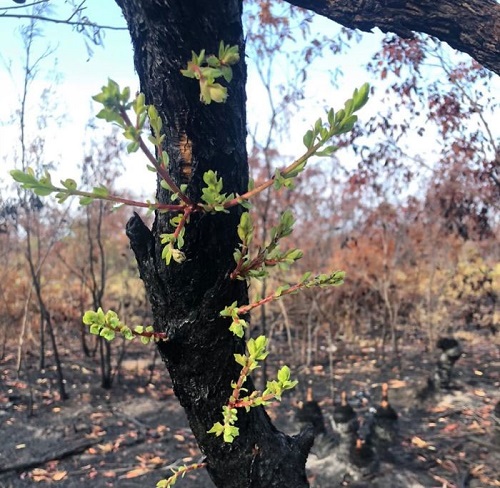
38	246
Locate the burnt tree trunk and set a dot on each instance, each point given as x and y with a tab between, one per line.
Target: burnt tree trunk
186	298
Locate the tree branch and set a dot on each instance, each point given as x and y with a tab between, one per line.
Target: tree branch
62	21
471	26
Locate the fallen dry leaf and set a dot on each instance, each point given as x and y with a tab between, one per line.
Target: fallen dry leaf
449	428
38	475
59	475
441	408
419	442
396	384
156	460
134	473
105	448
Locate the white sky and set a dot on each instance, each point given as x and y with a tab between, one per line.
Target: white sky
82	76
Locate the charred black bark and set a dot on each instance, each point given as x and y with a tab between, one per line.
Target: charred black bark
451	353
471	26
186	298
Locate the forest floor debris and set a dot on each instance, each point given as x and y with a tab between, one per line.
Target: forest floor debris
134	433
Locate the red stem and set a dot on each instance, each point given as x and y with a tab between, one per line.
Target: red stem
160	335
237	389
124	201
184	219
159	168
246	308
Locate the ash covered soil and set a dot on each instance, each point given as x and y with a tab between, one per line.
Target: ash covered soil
133	434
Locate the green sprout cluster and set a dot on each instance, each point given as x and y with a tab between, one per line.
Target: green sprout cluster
43	186
270	255
212	194
256	351
337	122
207	69
179	473
108	325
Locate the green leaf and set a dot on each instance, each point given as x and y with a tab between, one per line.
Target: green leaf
86	200
308	139
108	334
327	151
229	310
361	96
100	191
89	317
339	116
348	124
238	327
317	126
284	374
42	191
69	183
133	147
94	329
216	429
188	73
127	333
125	94
349	106
305	277
230	433
227	73
139	104
245	228
240	359
331	117
110	116
279	291
166	161
22	177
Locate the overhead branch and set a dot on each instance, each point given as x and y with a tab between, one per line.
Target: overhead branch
63	21
470	26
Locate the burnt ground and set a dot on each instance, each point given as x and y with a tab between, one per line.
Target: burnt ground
131	435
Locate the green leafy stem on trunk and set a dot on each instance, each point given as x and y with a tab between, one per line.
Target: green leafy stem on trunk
235	312
179	473
207	69
267	256
116	107
256	351
108	325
